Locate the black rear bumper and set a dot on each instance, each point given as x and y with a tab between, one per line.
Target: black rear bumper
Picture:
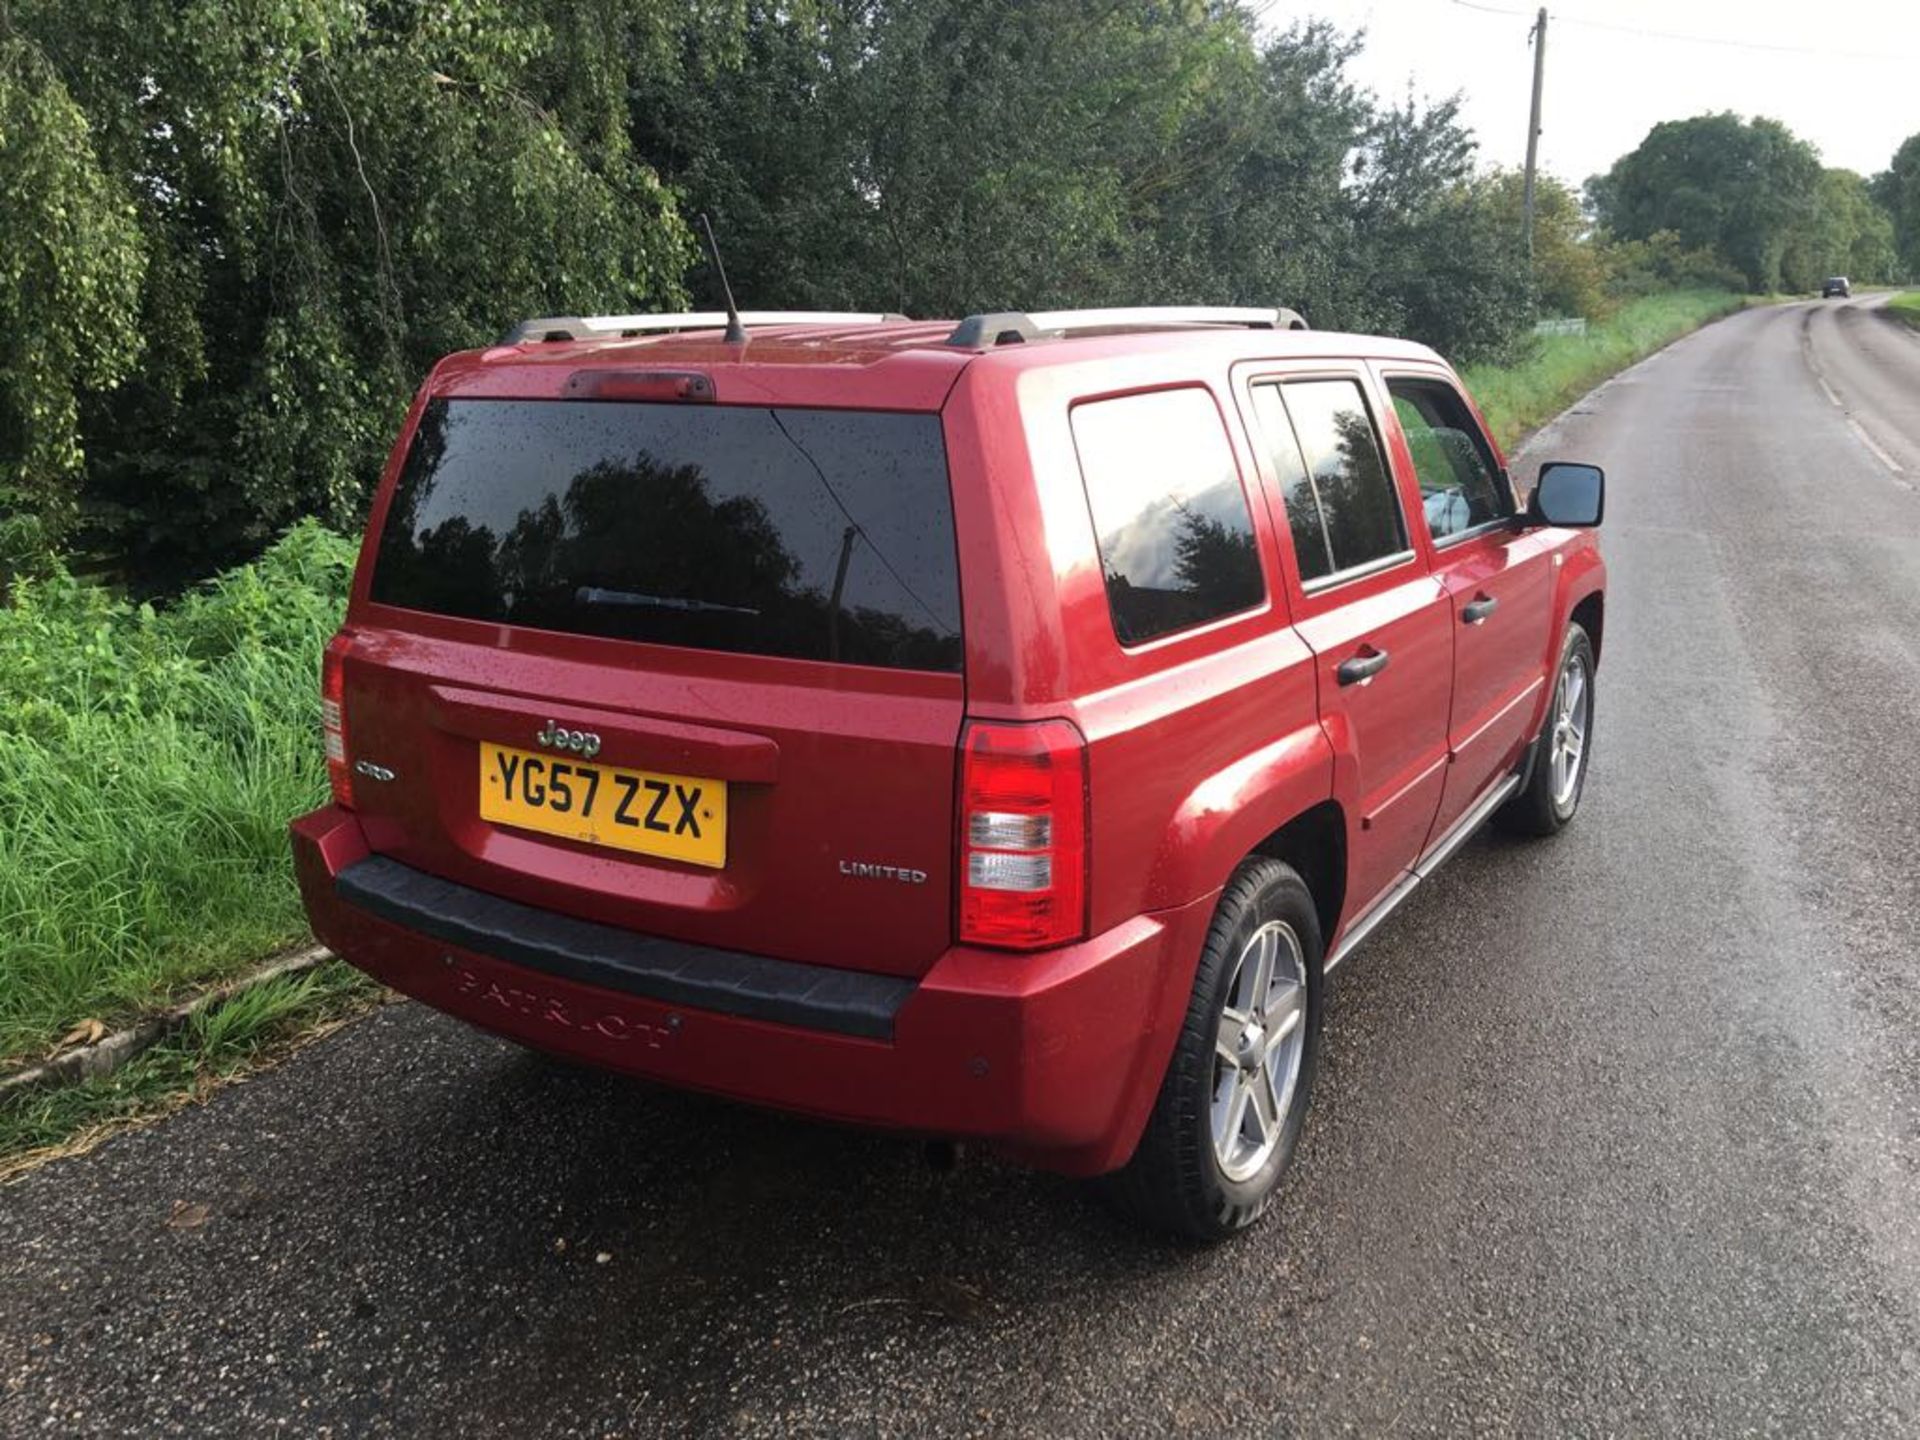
814	997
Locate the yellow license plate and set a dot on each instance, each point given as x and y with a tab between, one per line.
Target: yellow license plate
678	817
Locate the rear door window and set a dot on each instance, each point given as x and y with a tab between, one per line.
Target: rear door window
1176	537
810	534
1461	488
1342	507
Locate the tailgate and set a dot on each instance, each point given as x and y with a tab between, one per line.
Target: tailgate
688	669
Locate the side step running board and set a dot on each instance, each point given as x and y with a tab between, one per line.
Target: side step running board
1462	831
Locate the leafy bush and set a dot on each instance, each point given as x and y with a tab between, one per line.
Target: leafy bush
1897	190
149	762
249	226
70	274
1661	263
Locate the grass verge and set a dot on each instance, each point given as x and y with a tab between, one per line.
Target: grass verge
254	1029
1907	306
149	762
1519	399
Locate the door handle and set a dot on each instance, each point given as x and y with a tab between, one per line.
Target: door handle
1362	668
1478	608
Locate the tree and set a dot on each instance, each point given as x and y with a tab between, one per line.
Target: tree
330	195
1271	224
70	274
943	156
1844	233
1569	269
1741	188
1897	190
937	156
1872	255
1429	253
242	230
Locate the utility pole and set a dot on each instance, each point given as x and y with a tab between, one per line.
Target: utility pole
1538	37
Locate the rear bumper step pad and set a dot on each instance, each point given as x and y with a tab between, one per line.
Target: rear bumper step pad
815	997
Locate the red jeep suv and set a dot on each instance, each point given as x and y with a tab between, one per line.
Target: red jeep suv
992	731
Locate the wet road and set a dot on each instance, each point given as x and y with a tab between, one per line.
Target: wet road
1618	1133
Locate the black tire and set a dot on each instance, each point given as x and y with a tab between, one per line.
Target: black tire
1175	1181
1536	809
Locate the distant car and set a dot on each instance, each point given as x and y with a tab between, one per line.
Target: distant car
1836	285
979	731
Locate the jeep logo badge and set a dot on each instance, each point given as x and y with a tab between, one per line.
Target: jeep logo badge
557	737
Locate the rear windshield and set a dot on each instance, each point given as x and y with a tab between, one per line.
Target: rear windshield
814	534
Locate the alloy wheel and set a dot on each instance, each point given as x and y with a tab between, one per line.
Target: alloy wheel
1258	1046
1572	711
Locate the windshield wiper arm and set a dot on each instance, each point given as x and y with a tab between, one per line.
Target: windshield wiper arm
594	595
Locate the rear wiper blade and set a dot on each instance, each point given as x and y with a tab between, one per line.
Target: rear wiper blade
594	595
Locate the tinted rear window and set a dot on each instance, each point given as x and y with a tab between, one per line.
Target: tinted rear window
1175	535
813	534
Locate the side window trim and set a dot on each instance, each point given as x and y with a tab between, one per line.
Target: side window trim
1379	565
1366	569
1485	527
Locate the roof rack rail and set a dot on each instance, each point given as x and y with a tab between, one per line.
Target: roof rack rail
1012	327
993	327
593	327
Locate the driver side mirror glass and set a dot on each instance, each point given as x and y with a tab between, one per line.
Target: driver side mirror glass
1568	494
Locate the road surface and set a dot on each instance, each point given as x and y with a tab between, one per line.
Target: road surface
1616	1134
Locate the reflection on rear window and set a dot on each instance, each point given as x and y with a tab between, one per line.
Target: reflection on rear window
812	534
1175	535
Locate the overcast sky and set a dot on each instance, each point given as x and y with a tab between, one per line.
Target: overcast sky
1840	73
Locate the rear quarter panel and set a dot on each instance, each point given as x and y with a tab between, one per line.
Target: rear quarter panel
1200	743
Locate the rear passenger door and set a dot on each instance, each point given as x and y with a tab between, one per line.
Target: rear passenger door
1495	576
1363	600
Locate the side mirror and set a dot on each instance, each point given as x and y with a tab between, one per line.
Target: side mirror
1568	494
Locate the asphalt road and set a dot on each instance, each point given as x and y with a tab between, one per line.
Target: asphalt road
1616	1134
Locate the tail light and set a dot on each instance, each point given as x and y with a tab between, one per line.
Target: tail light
1023	835
333	717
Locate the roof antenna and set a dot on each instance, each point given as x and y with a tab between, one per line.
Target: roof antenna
736	332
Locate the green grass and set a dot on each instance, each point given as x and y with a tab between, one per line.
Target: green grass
257	1026
1907	306
1518	399
149	762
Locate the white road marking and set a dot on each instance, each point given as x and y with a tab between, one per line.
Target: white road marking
1868	441
1859	430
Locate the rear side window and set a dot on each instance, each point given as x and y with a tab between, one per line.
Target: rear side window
1341	503
1461	488
812	534
1176	539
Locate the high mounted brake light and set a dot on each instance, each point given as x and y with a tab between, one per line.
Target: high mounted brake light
1023	835
639	385
333	717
